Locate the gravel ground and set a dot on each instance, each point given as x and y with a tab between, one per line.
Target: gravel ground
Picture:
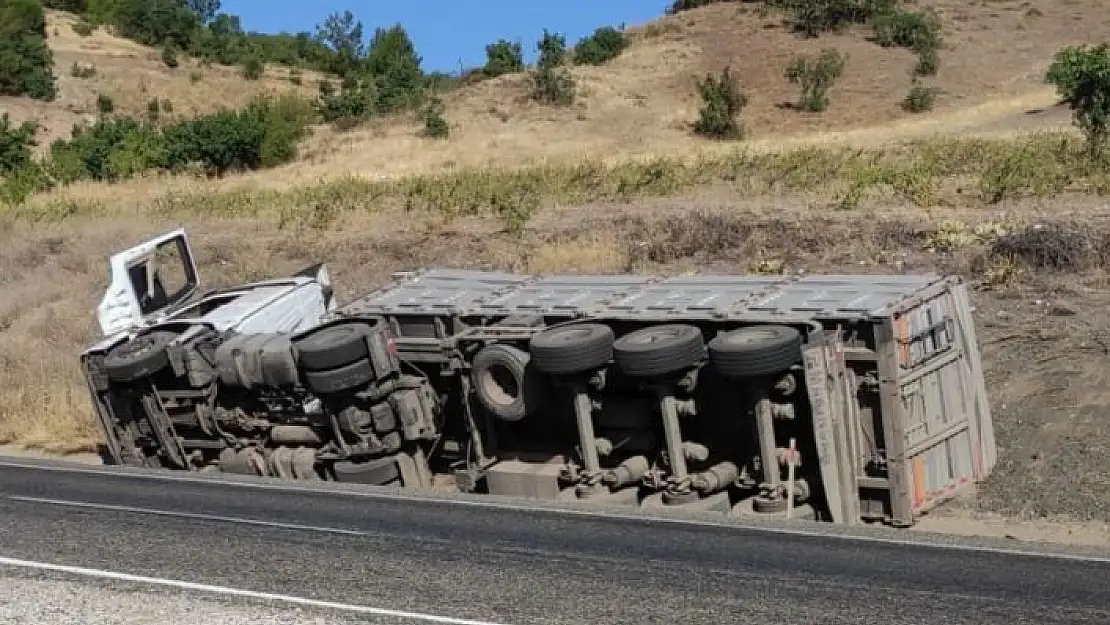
48	599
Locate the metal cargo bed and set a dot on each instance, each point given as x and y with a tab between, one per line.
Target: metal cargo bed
714	297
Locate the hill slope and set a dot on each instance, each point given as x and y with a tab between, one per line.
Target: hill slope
132	75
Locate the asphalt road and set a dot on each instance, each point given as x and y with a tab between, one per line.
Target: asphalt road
389	559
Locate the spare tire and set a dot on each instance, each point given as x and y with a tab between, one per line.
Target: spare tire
348	377
574	348
756	350
505	382
333	346
659	350
142	356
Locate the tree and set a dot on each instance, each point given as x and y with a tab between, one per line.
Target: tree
552	84
503	57
206	10
395	67
342	34
26	63
1081	75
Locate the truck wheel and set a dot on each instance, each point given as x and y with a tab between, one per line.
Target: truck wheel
142	356
333	346
572	349
659	350
756	351
345	378
505	382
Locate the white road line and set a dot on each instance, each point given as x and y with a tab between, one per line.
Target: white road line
829	534
238	592
186	515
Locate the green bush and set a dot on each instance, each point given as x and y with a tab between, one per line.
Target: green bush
82	71
105	104
15	145
263	134
1081	75
435	125
722	101
354	102
155	22
553	50
253	68
153	109
26	63
503	57
816	76
679	6
919	31
919	99
551	83
83	28
169	56
606	43
70	6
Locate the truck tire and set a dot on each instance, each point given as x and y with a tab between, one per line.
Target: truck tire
340	379
659	350
569	349
333	347
505	382
140	357
755	351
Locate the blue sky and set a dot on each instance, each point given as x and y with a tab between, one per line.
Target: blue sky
449	31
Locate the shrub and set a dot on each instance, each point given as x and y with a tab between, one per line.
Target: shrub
263	134
603	45
83	28
919	31
169	56
105	104
919	99
722	101
816	76
1081	75
354	102
70	6
551	83
253	68
154	22
435	125
679	6
26	63
553	50
82	71
553	86
503	57
15	144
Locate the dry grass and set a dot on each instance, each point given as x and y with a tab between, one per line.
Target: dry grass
132	75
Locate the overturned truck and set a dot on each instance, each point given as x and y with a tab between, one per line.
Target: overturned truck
839	398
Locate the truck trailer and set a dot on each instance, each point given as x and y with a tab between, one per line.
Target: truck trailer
839	398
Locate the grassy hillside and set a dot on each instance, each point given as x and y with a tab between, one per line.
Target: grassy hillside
618	181
132	75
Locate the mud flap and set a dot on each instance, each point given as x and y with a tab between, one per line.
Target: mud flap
834	425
